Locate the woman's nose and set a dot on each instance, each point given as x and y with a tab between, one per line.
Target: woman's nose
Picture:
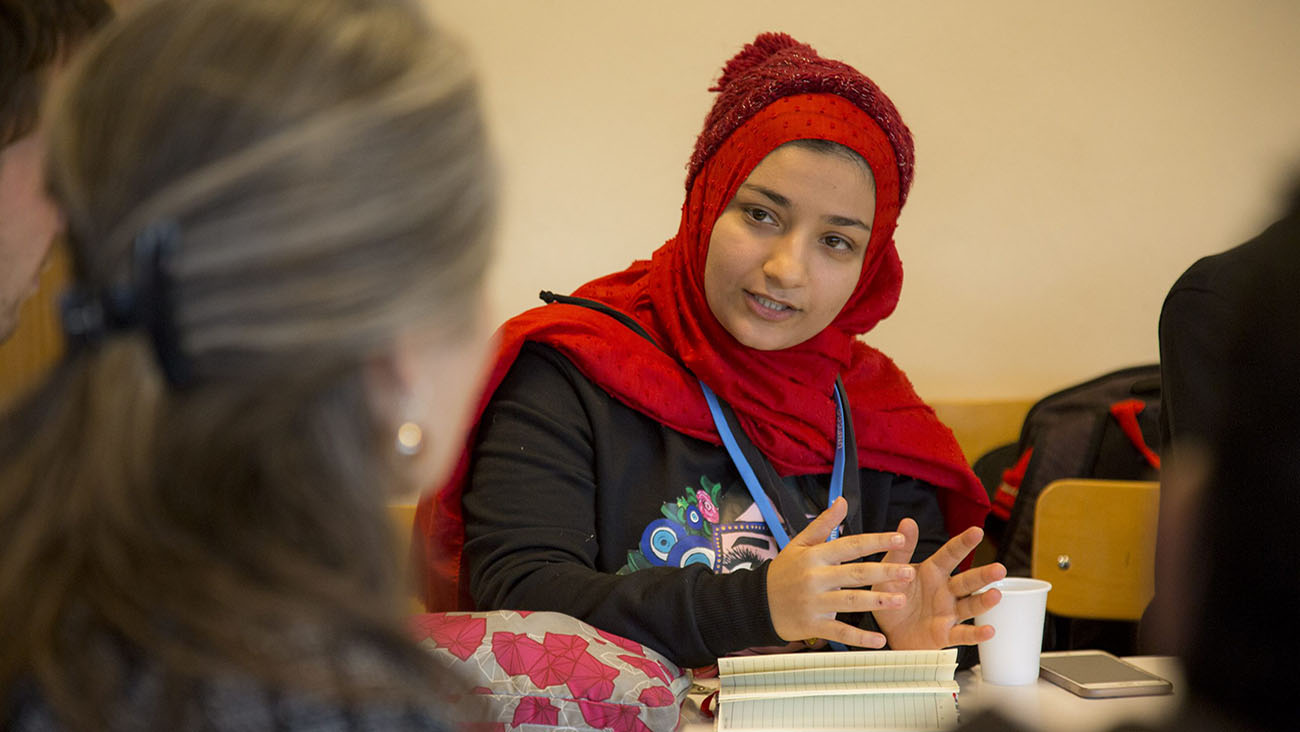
785	265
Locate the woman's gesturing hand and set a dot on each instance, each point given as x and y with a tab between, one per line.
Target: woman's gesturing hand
937	601
809	581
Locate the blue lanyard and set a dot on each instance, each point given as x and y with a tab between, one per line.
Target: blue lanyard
756	491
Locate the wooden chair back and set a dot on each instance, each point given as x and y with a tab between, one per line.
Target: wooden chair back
1095	541
38	342
402	516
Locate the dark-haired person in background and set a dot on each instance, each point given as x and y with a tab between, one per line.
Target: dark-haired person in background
35	39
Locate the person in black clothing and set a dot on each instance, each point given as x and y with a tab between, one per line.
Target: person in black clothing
277	214
1198	316
1234	578
1197	353
1229	549
600	482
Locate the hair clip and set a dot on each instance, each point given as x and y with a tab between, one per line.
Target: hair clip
145	302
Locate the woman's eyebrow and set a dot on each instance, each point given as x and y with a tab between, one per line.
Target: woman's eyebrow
835	220
775	197
780	200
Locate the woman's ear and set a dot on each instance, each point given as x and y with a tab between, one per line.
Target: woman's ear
423	388
387	377
392	370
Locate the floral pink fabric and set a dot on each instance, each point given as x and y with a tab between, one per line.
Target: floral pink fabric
540	670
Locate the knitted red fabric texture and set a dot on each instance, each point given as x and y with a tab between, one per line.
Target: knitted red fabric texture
775	65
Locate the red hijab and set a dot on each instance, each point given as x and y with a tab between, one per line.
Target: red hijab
783	399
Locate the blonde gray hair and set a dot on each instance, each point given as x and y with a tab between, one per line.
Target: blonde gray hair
326	166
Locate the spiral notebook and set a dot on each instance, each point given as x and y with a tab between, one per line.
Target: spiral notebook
855	690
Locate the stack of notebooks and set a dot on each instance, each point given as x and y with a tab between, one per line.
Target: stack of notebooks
878	690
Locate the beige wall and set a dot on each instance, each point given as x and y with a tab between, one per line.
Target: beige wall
1073	158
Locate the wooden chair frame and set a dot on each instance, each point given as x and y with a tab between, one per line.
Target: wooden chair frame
1095	541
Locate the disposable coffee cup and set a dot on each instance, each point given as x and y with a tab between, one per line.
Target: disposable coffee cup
1010	658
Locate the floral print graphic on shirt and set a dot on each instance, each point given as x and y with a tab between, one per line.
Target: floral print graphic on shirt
692	531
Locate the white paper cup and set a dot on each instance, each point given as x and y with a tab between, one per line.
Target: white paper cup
1011	657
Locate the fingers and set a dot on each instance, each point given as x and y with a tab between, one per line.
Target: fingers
807	615
845	548
902	554
855	546
853	601
962	586
865	574
969	607
821	527
810	582
955	550
803	595
969	635
972	580
834	630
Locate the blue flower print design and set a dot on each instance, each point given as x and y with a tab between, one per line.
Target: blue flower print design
692	550
694	518
659	539
685	533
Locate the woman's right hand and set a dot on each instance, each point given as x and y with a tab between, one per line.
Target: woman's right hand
809	581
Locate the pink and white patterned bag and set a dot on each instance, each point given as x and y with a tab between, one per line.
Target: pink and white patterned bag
542	670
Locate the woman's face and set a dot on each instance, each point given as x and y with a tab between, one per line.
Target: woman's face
28	225
786	253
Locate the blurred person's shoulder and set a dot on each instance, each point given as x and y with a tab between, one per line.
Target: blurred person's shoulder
1230	273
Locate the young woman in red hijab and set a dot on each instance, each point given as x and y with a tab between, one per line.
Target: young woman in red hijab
648	446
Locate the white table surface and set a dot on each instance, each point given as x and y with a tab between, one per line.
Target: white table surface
1042	706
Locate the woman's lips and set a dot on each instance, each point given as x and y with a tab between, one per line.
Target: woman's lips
769	308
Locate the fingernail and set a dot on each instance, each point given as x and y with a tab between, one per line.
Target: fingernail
896	540
897	600
906	573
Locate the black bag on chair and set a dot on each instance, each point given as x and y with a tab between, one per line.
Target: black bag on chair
1107	427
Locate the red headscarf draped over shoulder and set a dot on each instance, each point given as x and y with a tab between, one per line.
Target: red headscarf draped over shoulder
775	91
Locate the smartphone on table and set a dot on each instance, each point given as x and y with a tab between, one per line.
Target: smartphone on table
1099	674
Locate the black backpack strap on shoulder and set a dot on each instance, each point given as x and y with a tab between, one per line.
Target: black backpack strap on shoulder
551	298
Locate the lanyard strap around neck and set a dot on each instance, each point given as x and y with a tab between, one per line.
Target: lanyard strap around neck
750	479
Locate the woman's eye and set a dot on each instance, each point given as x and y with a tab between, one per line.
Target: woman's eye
758	214
838	242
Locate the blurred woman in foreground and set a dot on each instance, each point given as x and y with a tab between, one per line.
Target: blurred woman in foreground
278	216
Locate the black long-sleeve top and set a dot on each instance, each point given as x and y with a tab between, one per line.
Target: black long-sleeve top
579	504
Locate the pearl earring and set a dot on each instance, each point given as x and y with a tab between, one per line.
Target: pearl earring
410	439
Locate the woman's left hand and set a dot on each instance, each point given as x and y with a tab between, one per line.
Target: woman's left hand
937	601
